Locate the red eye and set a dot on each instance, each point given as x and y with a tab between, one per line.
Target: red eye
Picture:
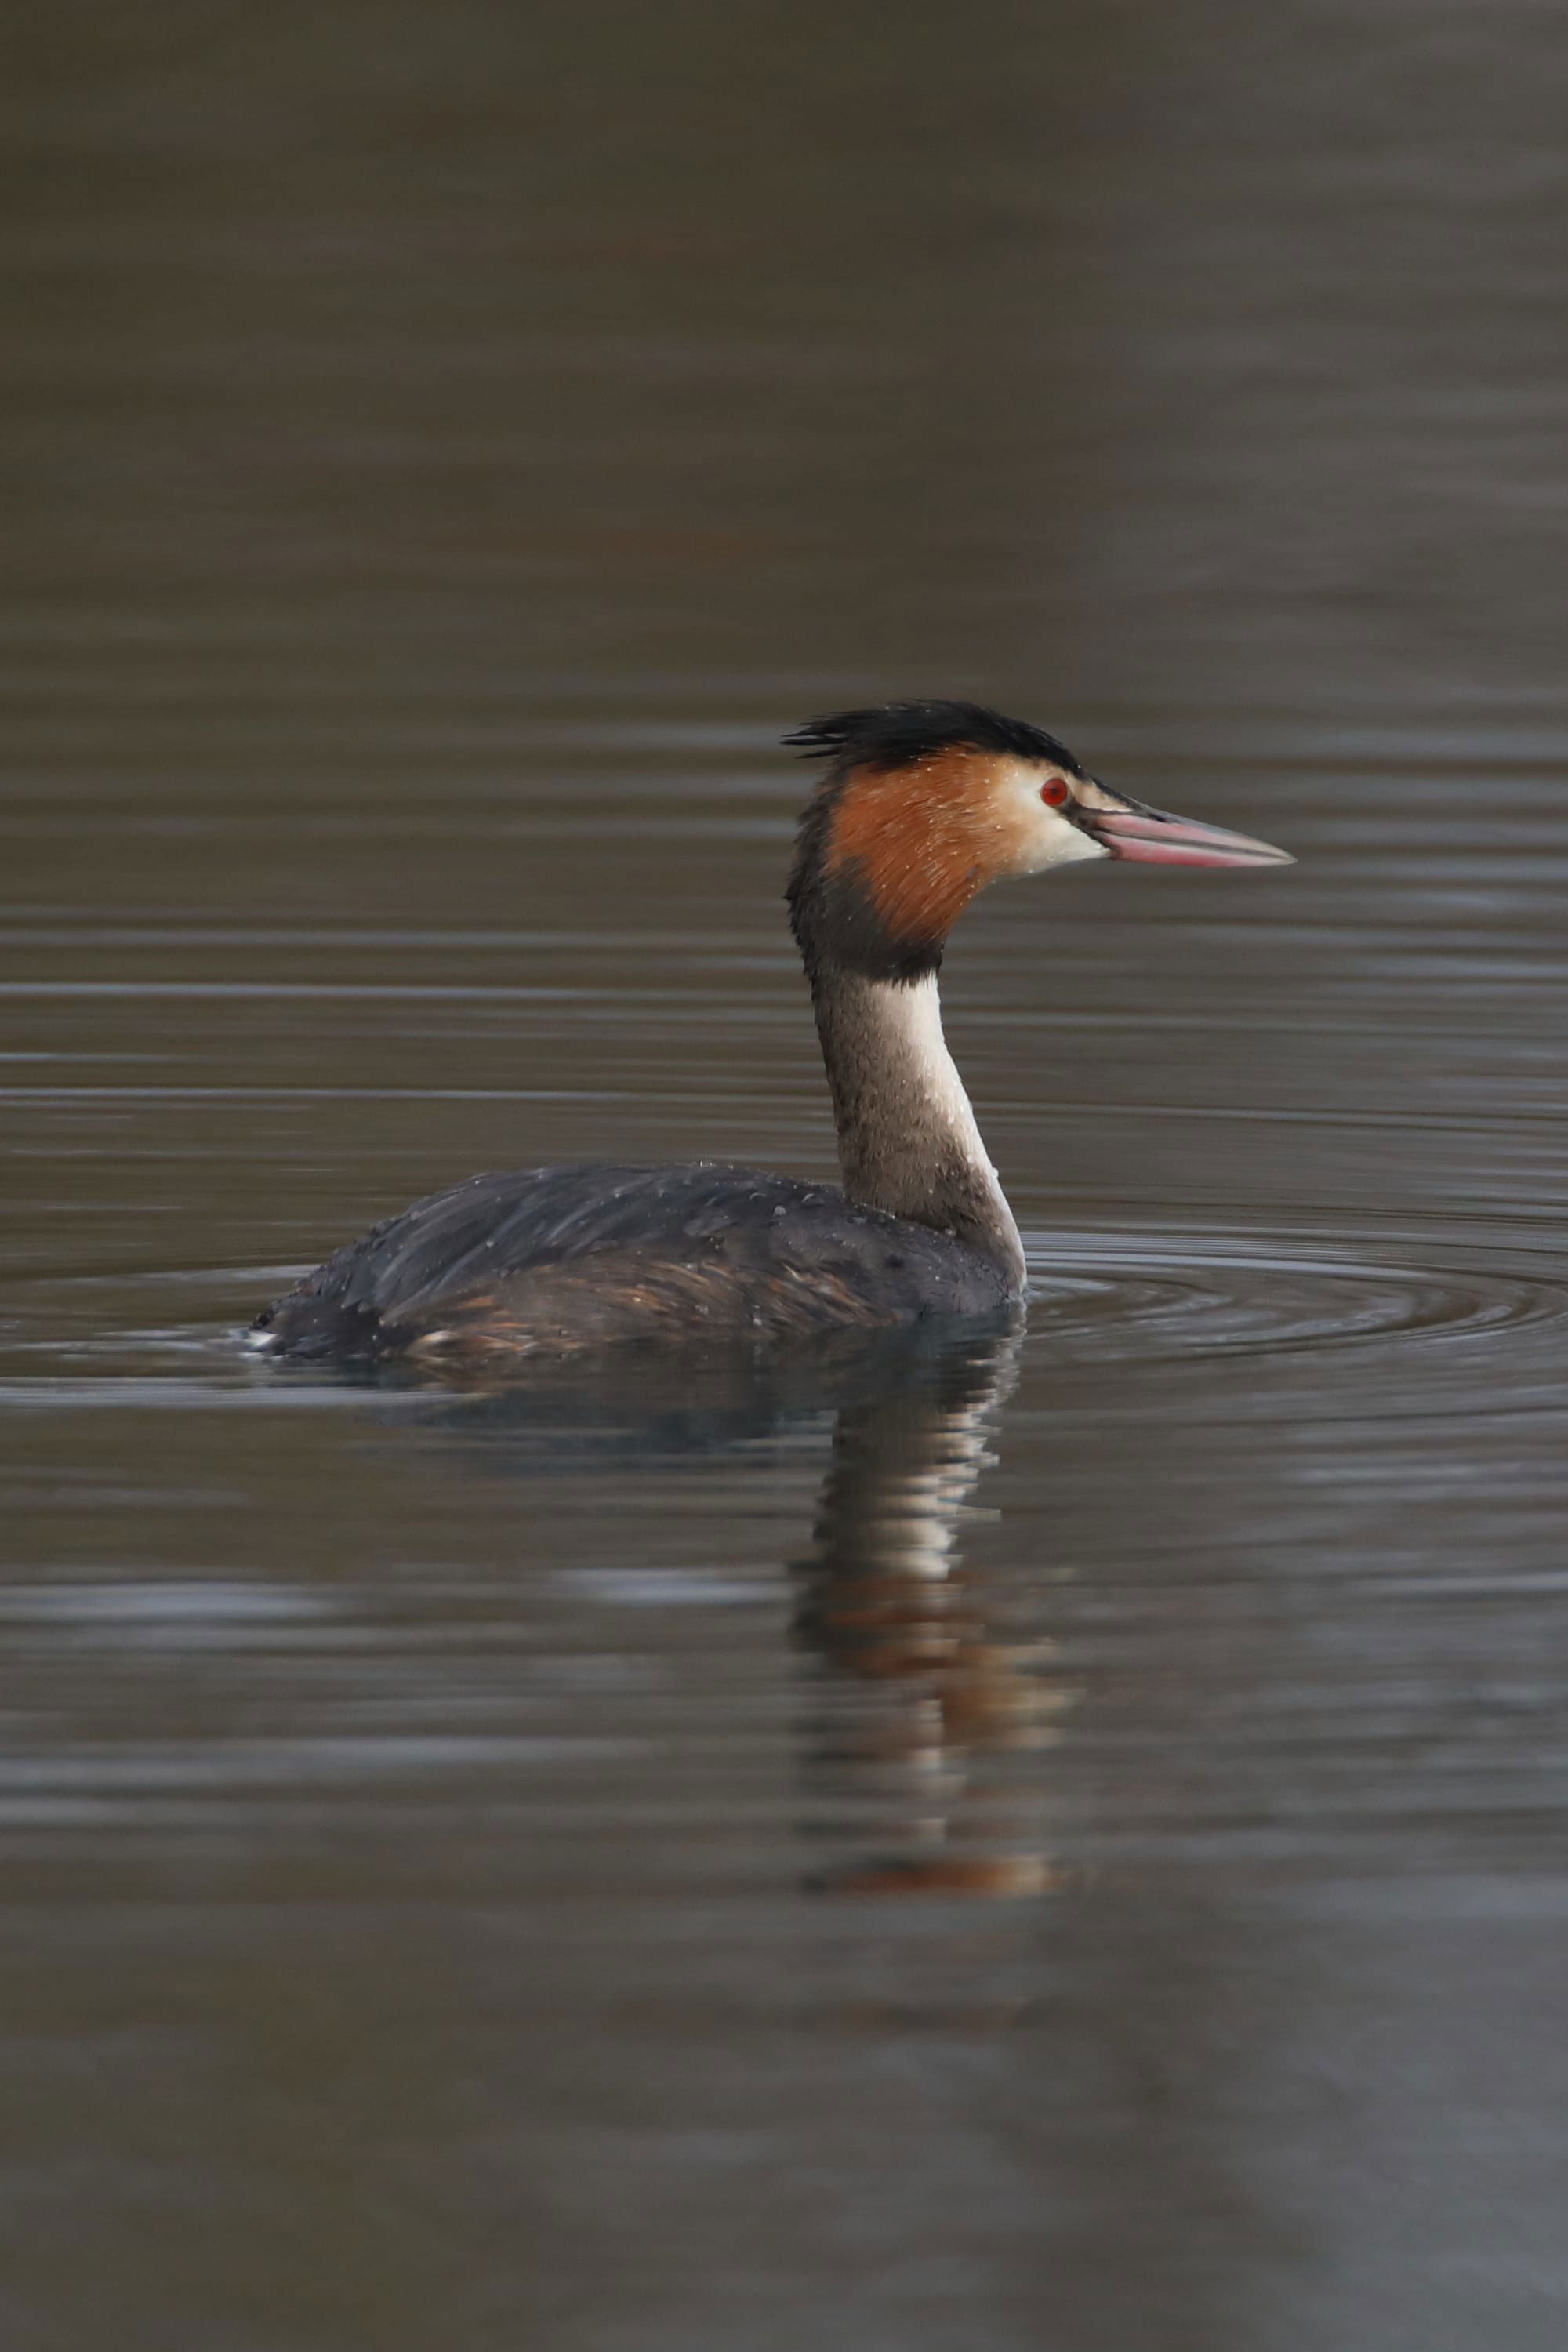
1056	794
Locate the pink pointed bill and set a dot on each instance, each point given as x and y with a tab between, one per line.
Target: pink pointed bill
1145	837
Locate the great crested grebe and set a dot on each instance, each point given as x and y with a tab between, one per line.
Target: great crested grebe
923	805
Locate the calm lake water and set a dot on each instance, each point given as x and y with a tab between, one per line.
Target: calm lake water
1037	1847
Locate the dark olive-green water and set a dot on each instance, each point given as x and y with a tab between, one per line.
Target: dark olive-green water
1041	1848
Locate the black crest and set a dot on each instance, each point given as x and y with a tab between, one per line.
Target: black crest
896	734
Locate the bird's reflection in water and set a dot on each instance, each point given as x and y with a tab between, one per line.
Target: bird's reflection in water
921	1691
922	1683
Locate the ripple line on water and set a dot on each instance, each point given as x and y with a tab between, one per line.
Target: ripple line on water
1122	1292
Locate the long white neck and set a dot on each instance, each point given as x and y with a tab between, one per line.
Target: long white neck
908	1142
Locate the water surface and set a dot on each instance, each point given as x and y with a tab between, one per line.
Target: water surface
1052	1842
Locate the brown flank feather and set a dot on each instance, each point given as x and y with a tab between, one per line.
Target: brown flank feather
617	1295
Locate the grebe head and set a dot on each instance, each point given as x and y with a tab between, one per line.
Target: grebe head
924	803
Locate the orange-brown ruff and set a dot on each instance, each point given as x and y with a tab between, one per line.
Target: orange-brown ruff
925	839
922	803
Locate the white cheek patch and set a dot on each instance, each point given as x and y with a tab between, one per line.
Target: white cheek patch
1043	836
1068	845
